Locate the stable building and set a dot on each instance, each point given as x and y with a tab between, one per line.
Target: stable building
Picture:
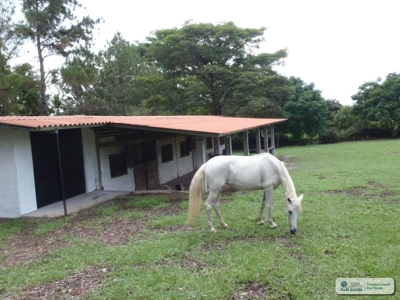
48	159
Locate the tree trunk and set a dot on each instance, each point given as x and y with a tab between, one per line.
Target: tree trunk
45	109
218	110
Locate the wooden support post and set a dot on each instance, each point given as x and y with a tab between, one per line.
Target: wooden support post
61	173
258	141
203	151
216	145
273	140
246	143
265	131
228	145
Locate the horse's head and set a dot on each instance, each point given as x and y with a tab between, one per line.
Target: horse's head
293	209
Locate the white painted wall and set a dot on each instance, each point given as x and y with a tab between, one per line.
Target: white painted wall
9	202
208	151
121	183
17	186
221	148
167	170
90	160
178	166
184	164
25	174
200	156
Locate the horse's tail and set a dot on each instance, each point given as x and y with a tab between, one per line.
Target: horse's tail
196	192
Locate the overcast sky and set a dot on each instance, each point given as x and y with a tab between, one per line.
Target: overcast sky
338	44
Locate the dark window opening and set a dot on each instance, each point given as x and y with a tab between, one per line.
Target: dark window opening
150	151
166	153
209	143
136	152
193	143
185	148
118	164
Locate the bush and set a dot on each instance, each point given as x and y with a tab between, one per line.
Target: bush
328	136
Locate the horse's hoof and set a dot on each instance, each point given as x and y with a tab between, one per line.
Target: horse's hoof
224	226
213	230
274	226
261	223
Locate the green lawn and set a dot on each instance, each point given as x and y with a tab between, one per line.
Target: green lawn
349	228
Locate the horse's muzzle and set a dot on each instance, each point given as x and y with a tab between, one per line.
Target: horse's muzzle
293	231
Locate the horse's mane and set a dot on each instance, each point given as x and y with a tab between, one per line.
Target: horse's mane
288	186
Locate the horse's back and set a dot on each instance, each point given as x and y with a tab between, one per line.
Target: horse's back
243	172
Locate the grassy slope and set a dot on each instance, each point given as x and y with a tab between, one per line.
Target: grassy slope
348	228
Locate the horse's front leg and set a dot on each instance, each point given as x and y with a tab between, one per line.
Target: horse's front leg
268	201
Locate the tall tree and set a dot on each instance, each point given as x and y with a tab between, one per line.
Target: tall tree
55	30
18	85
123	82
10	41
213	67
79	79
380	103
307	110
19	91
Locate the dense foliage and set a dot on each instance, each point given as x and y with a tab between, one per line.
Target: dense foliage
45	25
195	69
212	67
380	103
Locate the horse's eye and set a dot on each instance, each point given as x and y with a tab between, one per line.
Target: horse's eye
290	212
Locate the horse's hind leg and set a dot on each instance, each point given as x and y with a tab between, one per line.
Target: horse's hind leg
213	203
216	209
209	204
260	214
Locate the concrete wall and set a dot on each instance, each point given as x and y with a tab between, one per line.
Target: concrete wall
208	151
90	160
25	174
177	167
17	185
184	164
202	155
200	152
121	183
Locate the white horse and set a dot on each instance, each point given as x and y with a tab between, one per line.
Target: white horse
262	171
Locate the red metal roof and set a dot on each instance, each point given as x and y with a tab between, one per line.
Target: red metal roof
197	124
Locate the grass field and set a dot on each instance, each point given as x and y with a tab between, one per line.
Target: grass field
141	248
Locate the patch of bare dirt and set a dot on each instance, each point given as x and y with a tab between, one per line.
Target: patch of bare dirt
286	159
166	211
180	228
360	191
258	290
115	233
357	191
73	286
285	241
173	196
186	263
376	184
26	246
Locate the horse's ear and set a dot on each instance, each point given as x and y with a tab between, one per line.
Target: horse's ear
301	197
288	199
